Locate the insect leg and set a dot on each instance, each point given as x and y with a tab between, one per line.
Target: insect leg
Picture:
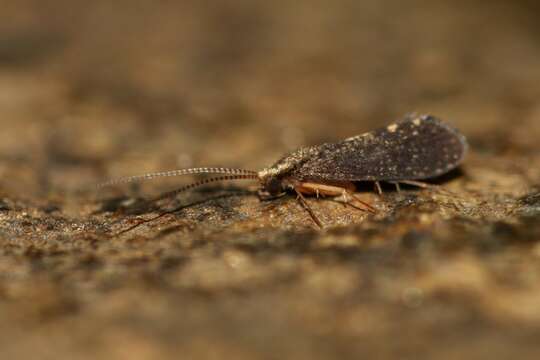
345	197
424	185
369	208
419	184
396	184
345	190
378	187
302	200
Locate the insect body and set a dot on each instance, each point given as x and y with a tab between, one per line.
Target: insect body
415	148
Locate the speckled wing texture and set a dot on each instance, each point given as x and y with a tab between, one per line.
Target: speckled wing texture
415	148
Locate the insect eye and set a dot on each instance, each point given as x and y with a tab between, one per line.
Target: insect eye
273	186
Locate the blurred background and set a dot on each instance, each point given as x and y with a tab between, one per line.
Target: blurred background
92	90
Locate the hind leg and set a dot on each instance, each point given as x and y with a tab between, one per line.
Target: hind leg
423	185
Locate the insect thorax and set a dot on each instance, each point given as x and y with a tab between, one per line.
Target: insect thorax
277	178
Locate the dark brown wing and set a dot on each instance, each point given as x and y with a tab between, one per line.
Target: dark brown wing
412	149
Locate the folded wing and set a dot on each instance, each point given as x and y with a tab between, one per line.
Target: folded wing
412	149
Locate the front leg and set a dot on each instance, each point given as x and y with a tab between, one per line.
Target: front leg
265	196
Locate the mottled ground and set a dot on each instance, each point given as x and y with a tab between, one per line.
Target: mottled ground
96	90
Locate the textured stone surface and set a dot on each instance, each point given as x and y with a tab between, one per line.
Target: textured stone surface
96	90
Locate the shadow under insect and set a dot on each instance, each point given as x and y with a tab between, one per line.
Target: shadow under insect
221	200
390	187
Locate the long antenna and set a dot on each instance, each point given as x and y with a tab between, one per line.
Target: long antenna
180	172
204	182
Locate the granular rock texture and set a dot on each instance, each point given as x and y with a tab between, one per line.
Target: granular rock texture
93	90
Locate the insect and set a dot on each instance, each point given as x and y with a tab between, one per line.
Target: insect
414	148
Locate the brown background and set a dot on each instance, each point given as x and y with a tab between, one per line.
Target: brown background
91	90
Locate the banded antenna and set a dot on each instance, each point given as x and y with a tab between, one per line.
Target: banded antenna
231	174
173	193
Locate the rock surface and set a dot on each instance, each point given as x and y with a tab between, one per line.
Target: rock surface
96	90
